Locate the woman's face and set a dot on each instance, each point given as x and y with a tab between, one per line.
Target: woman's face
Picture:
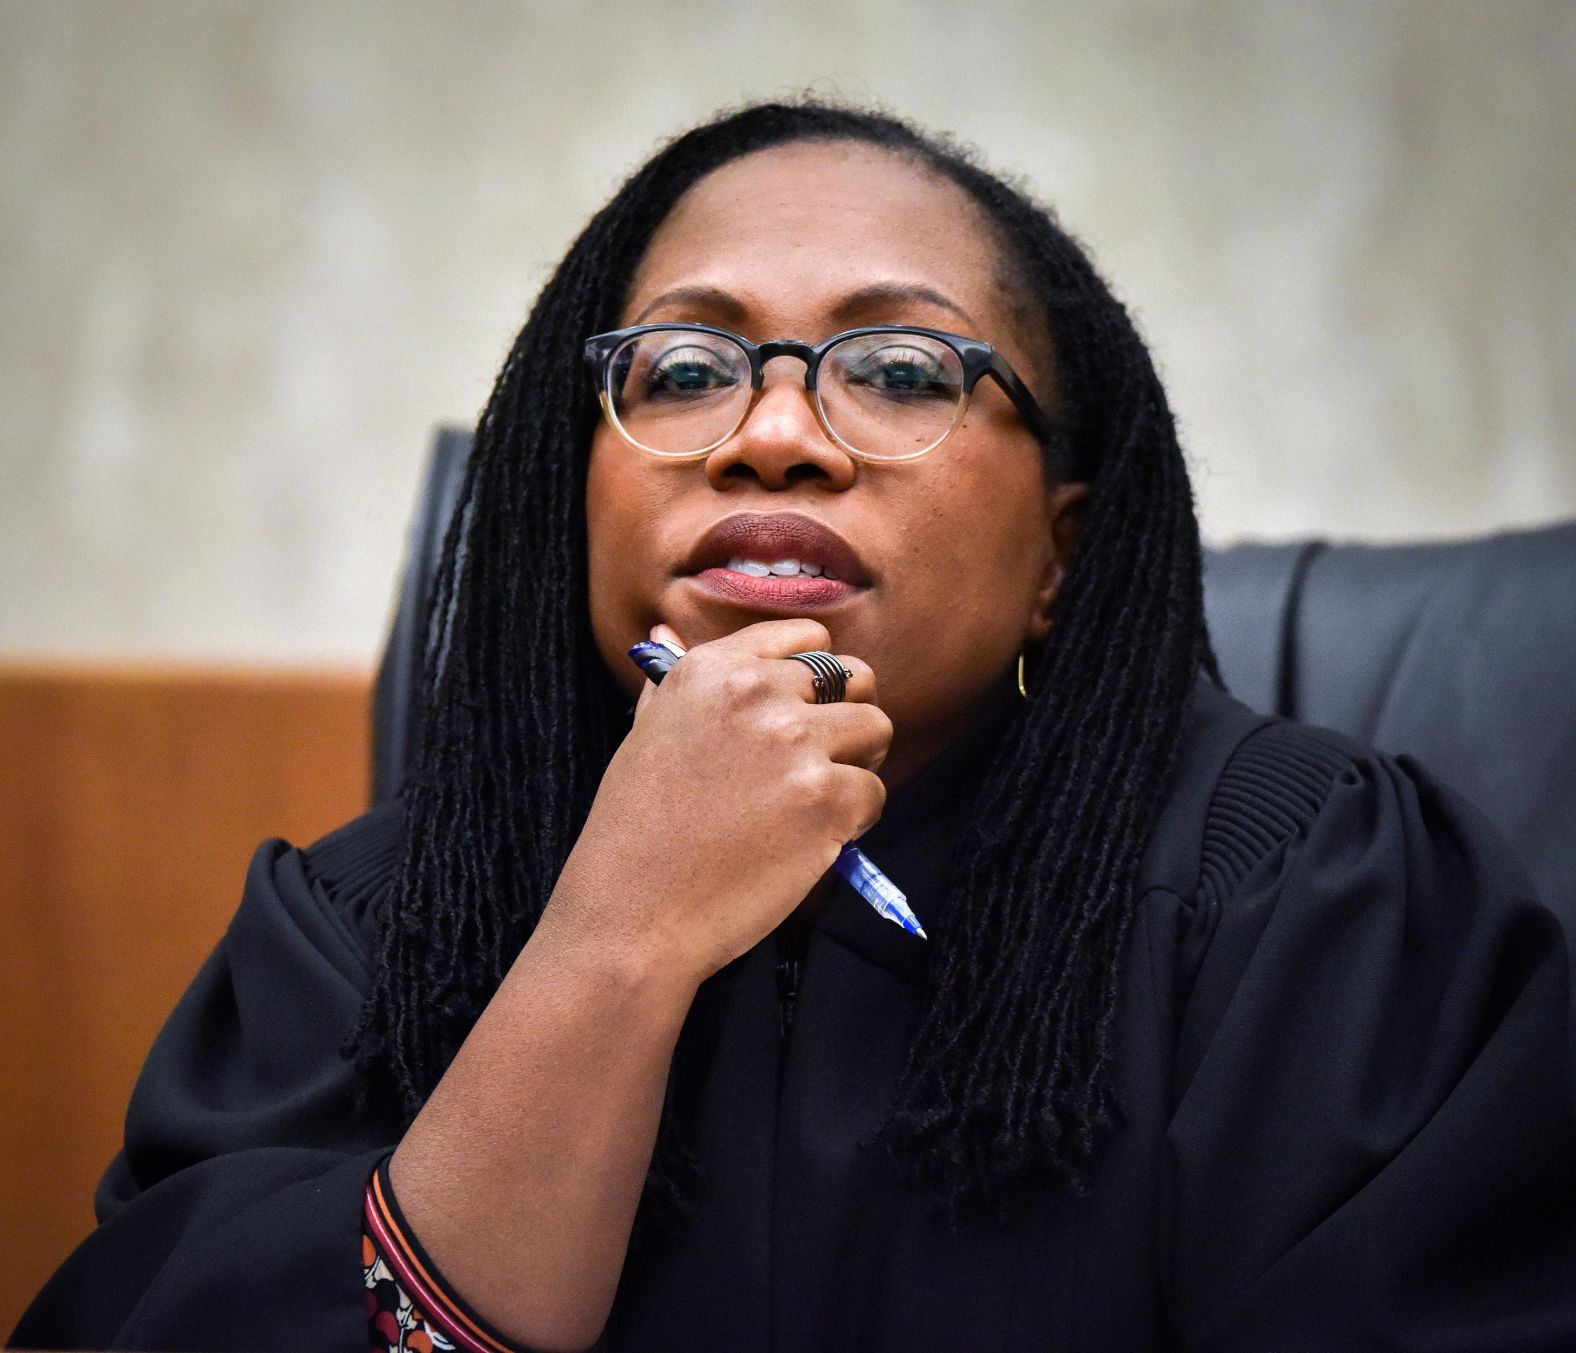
959	553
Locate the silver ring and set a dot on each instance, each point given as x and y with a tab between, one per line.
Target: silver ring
829	676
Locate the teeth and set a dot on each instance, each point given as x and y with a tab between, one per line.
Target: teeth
779	568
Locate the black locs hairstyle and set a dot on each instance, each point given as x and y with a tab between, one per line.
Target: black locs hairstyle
1010	1072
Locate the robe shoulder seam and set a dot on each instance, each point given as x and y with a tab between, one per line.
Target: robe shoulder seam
352	872
1268	794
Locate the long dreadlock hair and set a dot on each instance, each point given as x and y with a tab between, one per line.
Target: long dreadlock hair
1010	1072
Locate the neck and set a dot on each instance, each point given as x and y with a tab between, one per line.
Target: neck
914	752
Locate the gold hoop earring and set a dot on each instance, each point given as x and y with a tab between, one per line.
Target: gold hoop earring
1023	690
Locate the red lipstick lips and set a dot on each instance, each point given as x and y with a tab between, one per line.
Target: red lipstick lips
766	537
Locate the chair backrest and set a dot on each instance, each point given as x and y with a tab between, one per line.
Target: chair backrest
1461	654
394	705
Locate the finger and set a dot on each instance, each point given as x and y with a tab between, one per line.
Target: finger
854	735
666	634
775	638
867	795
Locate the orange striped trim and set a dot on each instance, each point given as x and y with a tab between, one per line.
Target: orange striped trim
433	1316
401	1252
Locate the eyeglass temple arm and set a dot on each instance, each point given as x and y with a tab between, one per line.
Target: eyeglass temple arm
1038	422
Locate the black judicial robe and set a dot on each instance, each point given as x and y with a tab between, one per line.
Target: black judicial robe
1345	1059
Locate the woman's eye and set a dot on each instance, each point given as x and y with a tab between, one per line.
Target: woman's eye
902	372
688	372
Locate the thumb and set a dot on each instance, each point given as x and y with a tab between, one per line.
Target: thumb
659	634
666	634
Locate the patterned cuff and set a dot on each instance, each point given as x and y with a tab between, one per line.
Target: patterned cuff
409	1308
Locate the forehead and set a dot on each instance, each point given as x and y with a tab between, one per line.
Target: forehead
791	230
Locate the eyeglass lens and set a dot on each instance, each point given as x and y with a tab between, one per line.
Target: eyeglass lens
677	391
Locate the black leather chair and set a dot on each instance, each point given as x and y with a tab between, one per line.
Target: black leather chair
1461	654
399	674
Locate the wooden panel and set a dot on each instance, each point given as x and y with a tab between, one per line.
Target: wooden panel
130	804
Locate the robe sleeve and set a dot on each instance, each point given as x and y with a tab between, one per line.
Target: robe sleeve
1374	1136
233	1216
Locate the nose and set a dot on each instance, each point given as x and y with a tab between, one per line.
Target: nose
781	442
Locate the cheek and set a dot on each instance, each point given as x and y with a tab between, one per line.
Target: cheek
622	507
603	497
980	545
600	507
618	516
958	610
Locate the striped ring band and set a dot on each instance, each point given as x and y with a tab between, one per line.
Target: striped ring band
829	676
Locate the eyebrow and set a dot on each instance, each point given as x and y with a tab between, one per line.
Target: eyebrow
715	299
881	294
875	296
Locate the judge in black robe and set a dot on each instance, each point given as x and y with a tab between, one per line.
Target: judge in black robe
1344	1063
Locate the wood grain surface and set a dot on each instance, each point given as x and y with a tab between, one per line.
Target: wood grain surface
131	801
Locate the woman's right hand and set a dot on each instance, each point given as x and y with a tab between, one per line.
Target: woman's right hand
729	799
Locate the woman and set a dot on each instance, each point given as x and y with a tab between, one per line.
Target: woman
1226	1034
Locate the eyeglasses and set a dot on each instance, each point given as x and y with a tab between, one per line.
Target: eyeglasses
889	394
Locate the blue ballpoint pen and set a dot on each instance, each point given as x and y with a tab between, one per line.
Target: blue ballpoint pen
656	658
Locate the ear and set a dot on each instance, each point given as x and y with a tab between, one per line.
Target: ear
1064	510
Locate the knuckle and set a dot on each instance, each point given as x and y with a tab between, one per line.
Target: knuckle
784	727
699	665
811	780
742	683
818	636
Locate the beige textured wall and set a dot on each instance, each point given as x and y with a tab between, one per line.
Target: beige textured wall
250	252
